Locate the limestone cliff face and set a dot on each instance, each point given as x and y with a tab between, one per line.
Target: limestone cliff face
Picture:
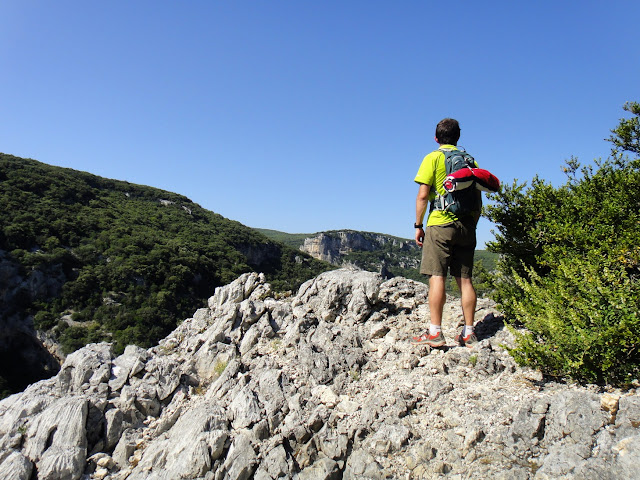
337	248
320	385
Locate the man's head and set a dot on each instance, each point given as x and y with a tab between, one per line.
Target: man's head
448	132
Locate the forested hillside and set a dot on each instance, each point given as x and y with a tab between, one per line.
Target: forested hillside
294	240
94	259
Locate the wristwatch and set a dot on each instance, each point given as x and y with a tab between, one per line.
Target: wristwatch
415	225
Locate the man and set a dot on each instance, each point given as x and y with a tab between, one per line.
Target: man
448	244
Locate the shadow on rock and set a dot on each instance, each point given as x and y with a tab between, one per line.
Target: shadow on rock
489	326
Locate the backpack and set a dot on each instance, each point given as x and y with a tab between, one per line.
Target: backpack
462	183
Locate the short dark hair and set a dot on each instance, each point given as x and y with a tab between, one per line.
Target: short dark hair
448	131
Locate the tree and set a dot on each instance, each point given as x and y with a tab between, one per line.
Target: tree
570	266
626	136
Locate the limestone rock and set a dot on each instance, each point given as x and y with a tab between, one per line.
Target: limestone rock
348	293
56	439
86	368
189	448
130	363
15	465
320	385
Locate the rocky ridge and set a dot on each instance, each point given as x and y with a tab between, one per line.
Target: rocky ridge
320	385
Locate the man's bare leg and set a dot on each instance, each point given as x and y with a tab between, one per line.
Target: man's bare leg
437	298
468	299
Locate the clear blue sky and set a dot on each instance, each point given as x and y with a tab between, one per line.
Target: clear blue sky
303	116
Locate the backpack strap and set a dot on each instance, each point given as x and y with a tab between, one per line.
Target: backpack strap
439	202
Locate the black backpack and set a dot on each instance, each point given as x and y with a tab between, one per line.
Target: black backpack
459	202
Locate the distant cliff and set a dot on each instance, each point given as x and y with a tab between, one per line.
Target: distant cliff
375	252
336	247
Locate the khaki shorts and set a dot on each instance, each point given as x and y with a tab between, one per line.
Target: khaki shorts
449	248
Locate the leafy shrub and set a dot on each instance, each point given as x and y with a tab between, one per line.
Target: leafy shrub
44	320
570	267
582	321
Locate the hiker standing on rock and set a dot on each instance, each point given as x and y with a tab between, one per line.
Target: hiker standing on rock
449	241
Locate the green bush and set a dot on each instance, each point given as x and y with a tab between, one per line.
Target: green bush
44	320
570	267
581	321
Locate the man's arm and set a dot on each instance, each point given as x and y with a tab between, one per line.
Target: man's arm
422	201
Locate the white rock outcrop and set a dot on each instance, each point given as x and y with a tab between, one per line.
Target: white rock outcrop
321	385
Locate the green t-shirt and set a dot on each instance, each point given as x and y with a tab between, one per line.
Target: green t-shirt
432	172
